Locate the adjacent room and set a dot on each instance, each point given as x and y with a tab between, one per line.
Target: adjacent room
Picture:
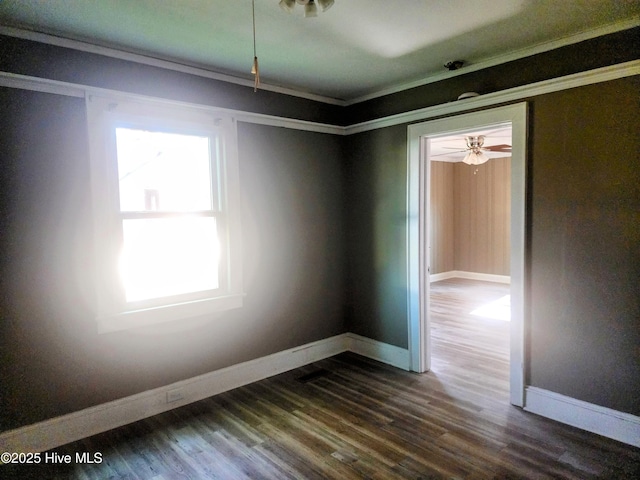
319	239
469	246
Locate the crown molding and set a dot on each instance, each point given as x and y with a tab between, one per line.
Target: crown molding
206	73
598	75
589	77
25	82
500	59
167	64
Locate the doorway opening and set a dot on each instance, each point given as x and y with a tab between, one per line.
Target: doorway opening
469	253
423	141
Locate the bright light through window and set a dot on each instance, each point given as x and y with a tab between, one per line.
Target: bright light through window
163	171
498	310
173	256
165	191
170	234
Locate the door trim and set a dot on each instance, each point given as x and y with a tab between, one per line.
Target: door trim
418	176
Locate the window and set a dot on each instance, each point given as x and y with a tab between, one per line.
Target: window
165	187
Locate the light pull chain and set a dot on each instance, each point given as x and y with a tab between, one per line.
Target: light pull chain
255	70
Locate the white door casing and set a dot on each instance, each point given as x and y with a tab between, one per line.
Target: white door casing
418	178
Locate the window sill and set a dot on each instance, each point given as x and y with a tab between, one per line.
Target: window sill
167	313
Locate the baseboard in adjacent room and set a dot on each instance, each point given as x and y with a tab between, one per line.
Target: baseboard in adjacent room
485	277
604	421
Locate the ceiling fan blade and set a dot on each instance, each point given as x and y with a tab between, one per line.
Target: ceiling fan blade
498	148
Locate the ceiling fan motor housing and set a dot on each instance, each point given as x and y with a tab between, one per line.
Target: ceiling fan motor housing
475	143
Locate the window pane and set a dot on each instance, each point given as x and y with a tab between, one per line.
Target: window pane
169	256
163	171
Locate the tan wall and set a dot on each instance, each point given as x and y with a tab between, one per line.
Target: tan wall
470	211
442	217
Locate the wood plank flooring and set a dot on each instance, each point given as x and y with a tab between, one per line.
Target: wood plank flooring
349	417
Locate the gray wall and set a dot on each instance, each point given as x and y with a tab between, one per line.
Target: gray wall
53	359
66	65
376	210
583	241
324	231
585	244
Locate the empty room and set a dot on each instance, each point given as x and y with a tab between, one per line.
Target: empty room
319	239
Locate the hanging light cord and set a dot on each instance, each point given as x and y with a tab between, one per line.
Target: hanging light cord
254	69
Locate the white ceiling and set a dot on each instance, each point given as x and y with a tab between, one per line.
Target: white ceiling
354	50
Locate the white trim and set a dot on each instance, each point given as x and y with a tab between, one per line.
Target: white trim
598	75
383	352
419	203
206	73
501	59
292	123
168	313
54	432
158	62
484	277
36	84
58	431
113	311
25	82
437	277
607	422
418	235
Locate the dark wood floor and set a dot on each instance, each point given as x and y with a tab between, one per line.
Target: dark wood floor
350	417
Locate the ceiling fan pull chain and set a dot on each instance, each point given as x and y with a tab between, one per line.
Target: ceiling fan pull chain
255	69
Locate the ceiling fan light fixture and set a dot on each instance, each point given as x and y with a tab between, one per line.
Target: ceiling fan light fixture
310	9
287	5
325	4
475	158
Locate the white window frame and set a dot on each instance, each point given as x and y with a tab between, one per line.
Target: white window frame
113	311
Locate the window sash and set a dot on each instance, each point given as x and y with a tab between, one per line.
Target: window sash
160	214
140	289
104	115
176	257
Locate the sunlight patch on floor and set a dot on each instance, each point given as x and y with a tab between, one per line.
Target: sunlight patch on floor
498	309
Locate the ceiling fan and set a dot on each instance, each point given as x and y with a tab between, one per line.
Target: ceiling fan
476	148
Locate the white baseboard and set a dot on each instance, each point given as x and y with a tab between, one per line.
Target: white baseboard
485	277
58	431
604	421
383	352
